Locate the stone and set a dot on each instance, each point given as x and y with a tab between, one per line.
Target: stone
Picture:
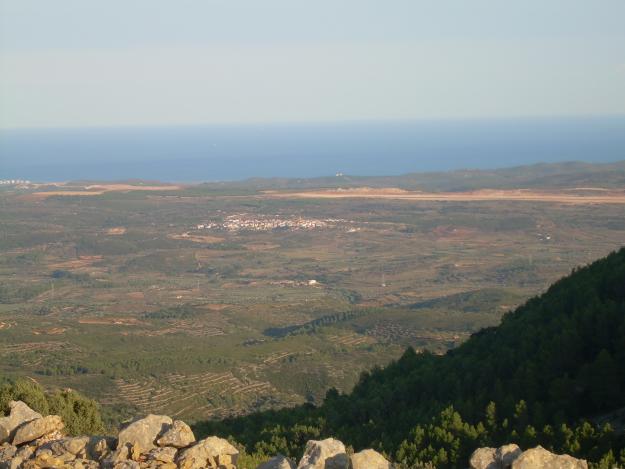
19	413
540	458
6	455
484	458
278	462
165	454
44	460
120	455
25	452
98	447
179	435
506	455
18	457
369	459
54	451
83	464
15	463
135	452
74	446
207	453
37	428
48	437
127	465
158	465
324	454
144	432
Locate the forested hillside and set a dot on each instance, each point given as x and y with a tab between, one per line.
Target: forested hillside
552	367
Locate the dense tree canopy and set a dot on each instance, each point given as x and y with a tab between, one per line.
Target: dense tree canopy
80	414
555	361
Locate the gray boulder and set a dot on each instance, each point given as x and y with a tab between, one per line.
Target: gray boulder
64	450
99	447
7	452
38	428
507	454
74	446
369	459
113	459
484	458
279	462
540	458
491	458
19	413
144	432
324	454
179	435
83	464
128	465
163	455
19	456
209	452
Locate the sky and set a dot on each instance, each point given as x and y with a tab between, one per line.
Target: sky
75	63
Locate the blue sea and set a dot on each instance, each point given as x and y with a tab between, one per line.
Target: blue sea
234	152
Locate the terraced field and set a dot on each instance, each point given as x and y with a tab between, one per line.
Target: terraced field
101	292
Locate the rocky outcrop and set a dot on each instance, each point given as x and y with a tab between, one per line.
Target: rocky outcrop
325	454
369	459
38	428
506	454
278	462
144	432
179	435
31	441
19	413
511	457
484	458
209	452
539	457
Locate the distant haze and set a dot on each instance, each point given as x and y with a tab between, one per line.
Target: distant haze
77	63
226	152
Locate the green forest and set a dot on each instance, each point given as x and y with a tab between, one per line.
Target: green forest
80	414
552	373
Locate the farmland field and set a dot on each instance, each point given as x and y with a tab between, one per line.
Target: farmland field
213	300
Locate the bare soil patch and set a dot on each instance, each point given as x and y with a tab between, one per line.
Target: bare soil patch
196	238
485	195
118	230
99	189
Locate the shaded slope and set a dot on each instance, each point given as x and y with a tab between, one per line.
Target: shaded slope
563	353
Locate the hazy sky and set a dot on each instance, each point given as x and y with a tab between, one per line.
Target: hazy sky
144	62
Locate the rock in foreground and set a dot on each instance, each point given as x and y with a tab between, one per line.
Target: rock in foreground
511	457
144	432
369	459
19	413
539	457
325	454
278	462
31	441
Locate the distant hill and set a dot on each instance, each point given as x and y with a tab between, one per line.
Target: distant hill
572	174
555	360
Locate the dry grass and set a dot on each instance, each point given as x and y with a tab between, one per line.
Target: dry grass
81	262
